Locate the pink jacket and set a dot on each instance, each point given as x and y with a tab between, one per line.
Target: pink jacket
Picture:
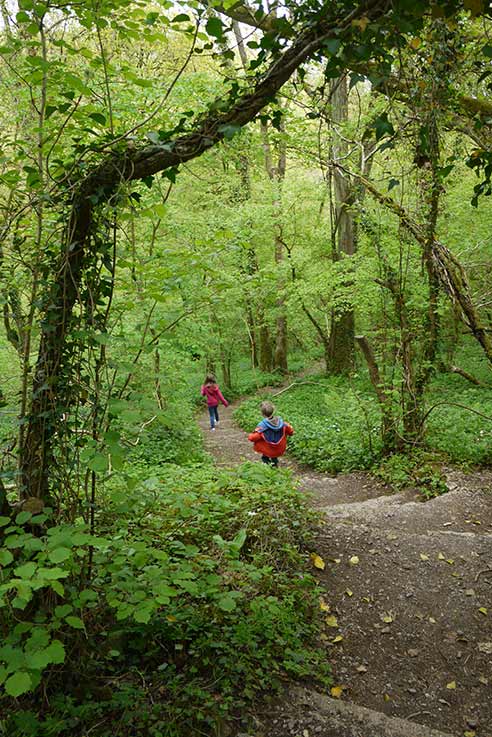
214	395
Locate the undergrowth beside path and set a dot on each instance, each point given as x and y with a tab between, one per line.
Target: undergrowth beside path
200	601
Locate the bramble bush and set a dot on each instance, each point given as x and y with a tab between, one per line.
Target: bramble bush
200	600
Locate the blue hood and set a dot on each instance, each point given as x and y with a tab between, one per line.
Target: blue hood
274	423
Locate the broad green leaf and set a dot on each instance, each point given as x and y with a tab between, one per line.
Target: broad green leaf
75	622
26	571
18	684
214	27
56	652
58	555
227	603
6	557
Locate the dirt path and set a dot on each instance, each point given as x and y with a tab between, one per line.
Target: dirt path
410	586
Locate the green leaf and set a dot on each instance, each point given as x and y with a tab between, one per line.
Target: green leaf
22	17
383	126
18	684
23	517
75	622
57	588
56	652
98	118
99	462
26	571
144	614
58	555
6	557
226	603
214	28
62	610
5	521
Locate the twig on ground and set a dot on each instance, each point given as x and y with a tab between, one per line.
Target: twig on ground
296	383
485	570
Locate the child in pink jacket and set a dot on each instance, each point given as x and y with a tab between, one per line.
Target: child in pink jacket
211	390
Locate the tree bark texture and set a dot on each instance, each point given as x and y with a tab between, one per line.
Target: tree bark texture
340	357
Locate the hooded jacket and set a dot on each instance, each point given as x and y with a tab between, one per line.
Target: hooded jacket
214	395
270	437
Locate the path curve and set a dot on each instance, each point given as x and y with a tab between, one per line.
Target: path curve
410	585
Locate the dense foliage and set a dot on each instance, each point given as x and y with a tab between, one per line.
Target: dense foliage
217	187
196	601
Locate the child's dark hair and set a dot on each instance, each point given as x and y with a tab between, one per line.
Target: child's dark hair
210	379
267	409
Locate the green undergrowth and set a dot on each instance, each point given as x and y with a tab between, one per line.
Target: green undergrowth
337	425
418	469
460	421
200	601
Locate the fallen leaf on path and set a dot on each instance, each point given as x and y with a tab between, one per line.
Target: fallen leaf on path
349	592
305	733
450	561
423	556
441	556
470	592
483	680
318	562
451	685
432	620
483	610
361	669
323	605
387	697
338	638
387	617
336	691
354	560
331	621
472	733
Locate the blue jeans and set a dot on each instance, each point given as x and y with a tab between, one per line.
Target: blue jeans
214	415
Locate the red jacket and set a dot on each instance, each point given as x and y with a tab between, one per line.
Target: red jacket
214	395
267	448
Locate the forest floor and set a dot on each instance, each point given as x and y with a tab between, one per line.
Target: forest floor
410	584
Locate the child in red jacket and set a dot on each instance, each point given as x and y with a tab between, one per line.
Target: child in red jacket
211	390
270	436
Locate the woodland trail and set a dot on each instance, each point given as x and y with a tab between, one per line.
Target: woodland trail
414	608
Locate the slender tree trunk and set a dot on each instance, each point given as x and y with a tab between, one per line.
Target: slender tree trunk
341	343
276	174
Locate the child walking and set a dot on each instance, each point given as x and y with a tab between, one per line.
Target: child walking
211	390
270	435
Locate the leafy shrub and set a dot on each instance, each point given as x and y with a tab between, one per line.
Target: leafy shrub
418	469
199	600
